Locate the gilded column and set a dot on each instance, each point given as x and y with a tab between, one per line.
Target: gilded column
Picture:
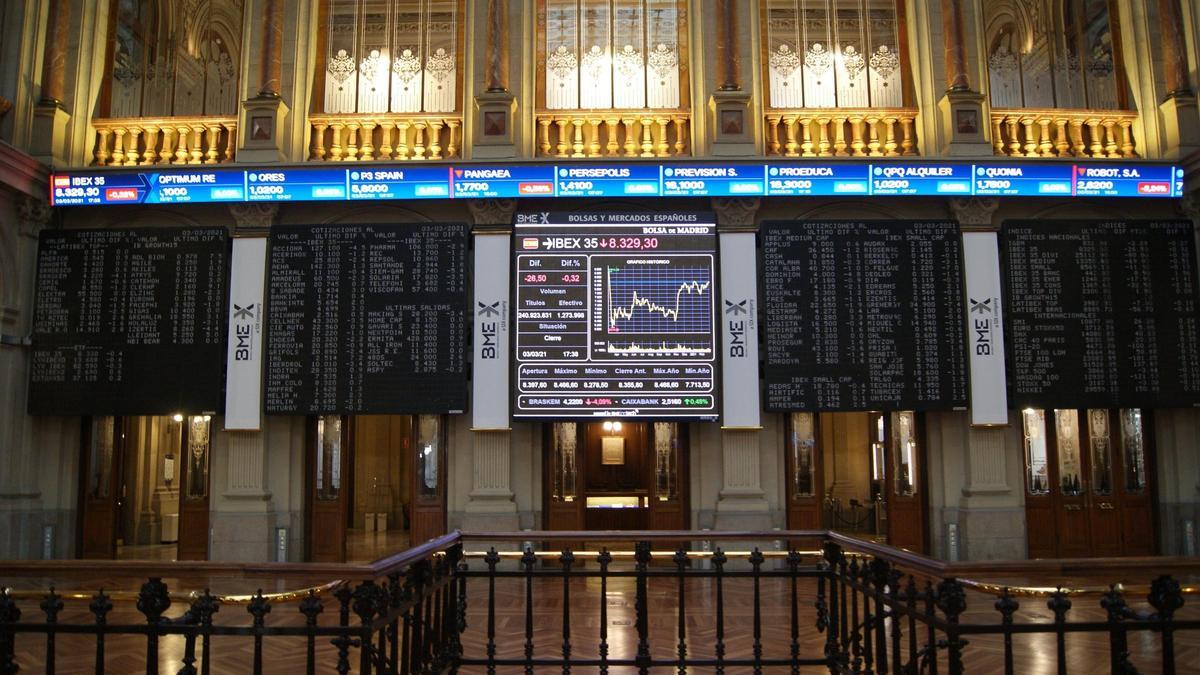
271	68
1175	68
54	61
956	53
497	46
727	45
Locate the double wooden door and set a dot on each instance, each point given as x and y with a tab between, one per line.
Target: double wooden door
1088	488
108	444
330	486
894	470
616	476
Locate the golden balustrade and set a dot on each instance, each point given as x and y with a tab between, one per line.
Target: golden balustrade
1064	133
614	133
842	132
368	137
164	140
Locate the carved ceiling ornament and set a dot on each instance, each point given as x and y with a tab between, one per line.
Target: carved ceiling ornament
974	211
254	215
736	211
492	212
34	215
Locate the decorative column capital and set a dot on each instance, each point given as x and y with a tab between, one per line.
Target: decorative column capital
974	213
35	214
254	217
736	213
492	214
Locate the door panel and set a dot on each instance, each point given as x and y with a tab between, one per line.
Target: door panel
194	482
327	502
1074	535
101	448
668	483
429	480
564	499
905	483
1135	483
1103	501
1040	472
802	484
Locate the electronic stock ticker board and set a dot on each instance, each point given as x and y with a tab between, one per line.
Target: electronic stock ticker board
373	182
615	315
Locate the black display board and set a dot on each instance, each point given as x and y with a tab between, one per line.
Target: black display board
862	316
615	315
367	319
130	321
1101	314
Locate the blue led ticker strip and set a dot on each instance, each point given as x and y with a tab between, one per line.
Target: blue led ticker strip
362	182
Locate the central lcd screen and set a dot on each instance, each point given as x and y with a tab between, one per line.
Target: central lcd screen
615	315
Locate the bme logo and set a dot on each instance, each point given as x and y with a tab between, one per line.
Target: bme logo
982	325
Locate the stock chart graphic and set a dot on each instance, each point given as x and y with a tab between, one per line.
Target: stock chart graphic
616	318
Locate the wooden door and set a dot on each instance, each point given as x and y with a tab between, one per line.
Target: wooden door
327	500
428	519
194	481
905	482
1088	487
1103	500
668	481
1134	444
1069	476
99	487
802	485
1040	478
564	501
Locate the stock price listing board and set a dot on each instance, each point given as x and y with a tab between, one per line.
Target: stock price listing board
1101	314
130	321
615	315
367	319
863	316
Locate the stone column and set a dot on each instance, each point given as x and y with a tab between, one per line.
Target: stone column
243	512
497	47
264	114
50	118
490	504
731	109
742	503
956	53
54	59
495	107
728	58
1179	109
961	108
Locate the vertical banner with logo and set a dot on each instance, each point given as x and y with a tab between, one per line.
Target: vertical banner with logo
739	326
489	376
243	365
985	328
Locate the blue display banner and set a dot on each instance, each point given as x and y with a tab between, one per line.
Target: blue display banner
795	180
713	180
290	185
634	180
405	182
502	181
926	178
922	179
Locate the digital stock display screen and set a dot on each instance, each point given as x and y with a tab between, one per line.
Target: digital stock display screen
615	315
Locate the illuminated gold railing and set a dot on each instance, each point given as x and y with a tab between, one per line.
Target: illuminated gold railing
363	137
614	133
1064	133
167	140
842	132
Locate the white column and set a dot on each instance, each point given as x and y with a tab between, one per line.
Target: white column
490	503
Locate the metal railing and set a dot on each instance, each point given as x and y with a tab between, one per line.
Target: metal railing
795	599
